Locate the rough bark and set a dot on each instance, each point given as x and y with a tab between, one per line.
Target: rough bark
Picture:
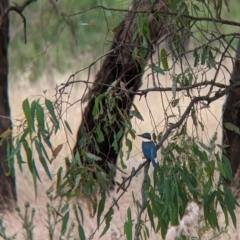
7	184
231	114
120	65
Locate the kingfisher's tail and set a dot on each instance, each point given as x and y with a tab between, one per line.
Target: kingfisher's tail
153	162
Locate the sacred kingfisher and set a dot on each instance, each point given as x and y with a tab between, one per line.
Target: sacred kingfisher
148	147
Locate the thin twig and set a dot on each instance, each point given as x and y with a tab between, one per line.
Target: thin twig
192	18
144	200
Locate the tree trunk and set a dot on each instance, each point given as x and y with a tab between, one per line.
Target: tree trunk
122	66
8	194
231	114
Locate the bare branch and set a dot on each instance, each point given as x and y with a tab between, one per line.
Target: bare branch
133	173
191	104
145	91
116	201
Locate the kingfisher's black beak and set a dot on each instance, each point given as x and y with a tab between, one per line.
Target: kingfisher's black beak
140	135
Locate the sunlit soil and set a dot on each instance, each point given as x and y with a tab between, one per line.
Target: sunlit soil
152	112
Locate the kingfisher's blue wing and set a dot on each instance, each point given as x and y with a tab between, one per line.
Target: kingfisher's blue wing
153	155
150	151
154	150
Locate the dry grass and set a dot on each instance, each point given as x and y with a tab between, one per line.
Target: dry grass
211	118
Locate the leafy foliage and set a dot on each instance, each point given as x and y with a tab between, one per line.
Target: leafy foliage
190	169
56	35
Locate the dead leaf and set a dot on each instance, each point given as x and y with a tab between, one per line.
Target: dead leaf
92	206
89	207
131	88
56	151
51	188
6	133
194	117
122	85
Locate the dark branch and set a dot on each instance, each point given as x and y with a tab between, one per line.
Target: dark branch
145	91
19	9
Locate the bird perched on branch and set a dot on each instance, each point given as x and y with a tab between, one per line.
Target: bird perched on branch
148	147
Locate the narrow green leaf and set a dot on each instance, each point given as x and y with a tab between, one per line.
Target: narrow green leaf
59	177
19	160
81	232
143	51
64	223
128	225
204	146
158	69
167	195
221	169
34	175
23	137
76	182
76	213
65	208
50	108
115	143
174	211
13	151
150	214
82	142
81	213
100	136
27	113
176	201
227	168
96	145
10	160
93	157
35	170
68	126
33	109
129	144
40	116
132	132
28	152
107	221
232	127
101	207
123	165
204	54
164	59
196	57
46	139
230	202
136	113
134	53
95	111
119	134
45	153
39	147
